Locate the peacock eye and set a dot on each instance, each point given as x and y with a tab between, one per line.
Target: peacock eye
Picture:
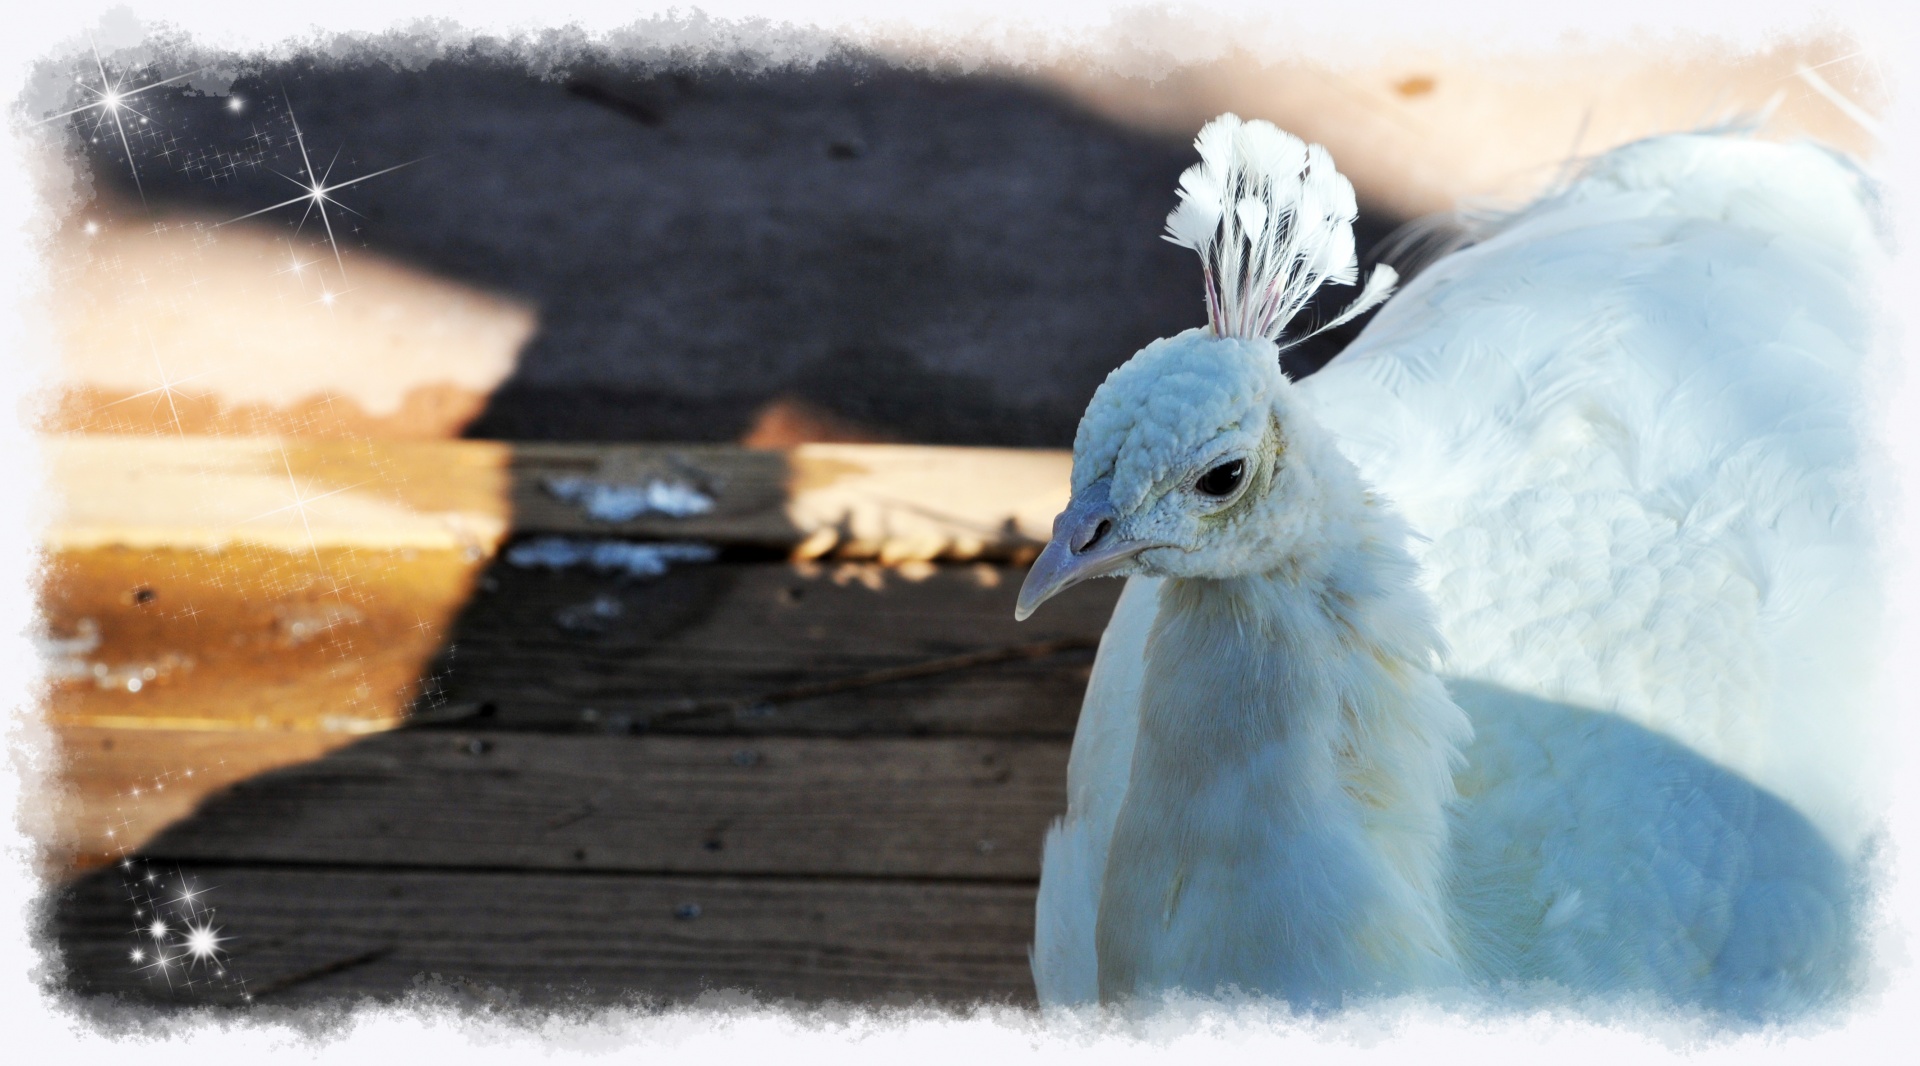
1222	479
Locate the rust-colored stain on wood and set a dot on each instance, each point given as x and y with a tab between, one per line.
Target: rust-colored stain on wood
1414	85
426	412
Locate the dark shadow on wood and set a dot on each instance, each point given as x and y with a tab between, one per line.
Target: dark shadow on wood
939	259
587	652
314	936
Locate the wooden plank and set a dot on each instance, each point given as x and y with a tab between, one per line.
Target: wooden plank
295	495
280	587
887	501
934	807
748	488
263	657
581	650
174	672
118	787
305	935
330	640
897	502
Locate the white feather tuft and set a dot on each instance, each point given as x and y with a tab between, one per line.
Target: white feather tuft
1273	221
1379	286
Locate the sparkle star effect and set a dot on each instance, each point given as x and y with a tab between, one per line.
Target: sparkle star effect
110	99
300	505
295	265
162	965
319	190
202	941
188	898
167	388
176	940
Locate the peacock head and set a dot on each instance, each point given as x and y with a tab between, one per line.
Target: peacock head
1195	458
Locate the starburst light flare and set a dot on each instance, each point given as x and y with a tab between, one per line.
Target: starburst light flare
202	941
175	938
318	191
110	99
299	503
168	389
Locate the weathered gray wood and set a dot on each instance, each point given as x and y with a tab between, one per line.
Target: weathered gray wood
749	489
934	807
579	649
503	938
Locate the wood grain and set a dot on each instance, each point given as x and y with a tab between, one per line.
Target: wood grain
579	650
212	493
246	638
928	808
527	939
118	787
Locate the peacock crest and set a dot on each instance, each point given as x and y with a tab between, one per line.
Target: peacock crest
1273	221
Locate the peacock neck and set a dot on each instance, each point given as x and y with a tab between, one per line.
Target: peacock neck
1284	825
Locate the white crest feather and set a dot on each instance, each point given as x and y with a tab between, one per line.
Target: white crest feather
1273	221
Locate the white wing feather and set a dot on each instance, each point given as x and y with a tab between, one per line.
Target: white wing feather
1626	422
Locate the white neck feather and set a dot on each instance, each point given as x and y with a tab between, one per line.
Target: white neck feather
1284	826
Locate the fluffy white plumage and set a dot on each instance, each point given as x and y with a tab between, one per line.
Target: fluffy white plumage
1272	221
1601	726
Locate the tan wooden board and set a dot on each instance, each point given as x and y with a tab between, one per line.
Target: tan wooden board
296	495
175	672
500	939
245	638
877	807
891	501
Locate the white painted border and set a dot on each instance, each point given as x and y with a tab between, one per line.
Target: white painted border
36	1029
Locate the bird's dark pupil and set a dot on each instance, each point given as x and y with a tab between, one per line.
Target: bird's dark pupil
1221	479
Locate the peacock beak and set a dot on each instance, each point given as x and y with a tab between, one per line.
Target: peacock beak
1086	543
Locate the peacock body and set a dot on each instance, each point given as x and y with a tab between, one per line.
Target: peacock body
1527	646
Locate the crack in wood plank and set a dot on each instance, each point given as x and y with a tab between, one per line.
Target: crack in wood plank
678	710
314	973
